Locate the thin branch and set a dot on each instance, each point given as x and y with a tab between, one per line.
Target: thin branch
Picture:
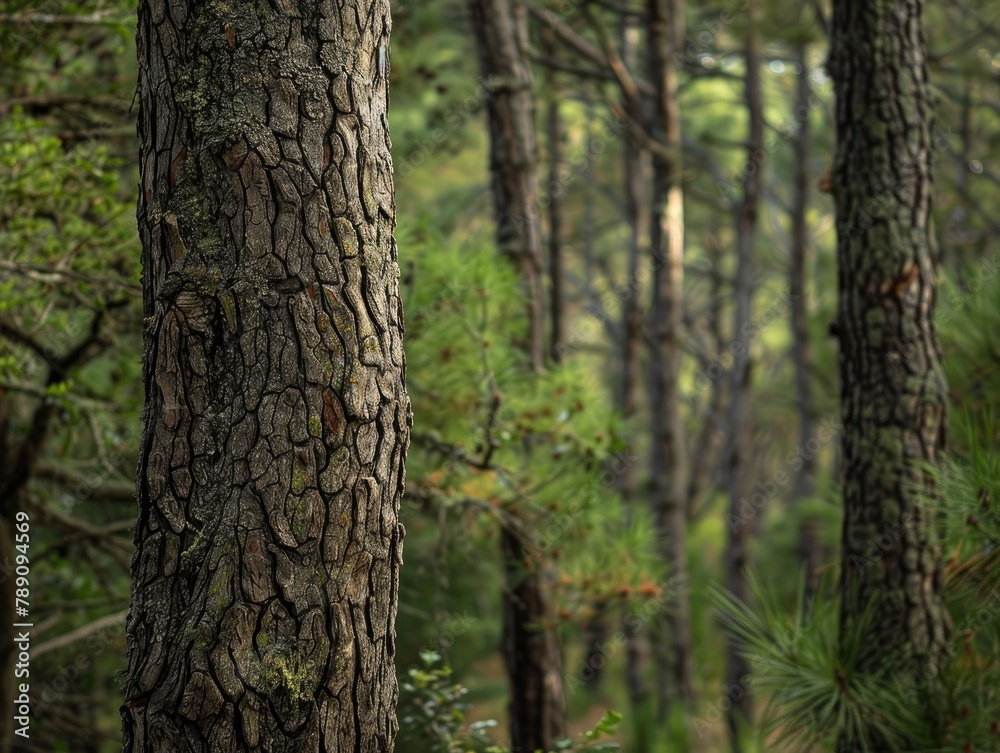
67	478
42	273
582	46
79	634
575	70
101	18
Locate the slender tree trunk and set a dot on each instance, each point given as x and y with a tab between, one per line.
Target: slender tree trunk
740	411
711	444
669	462
532	652
513	154
530	641
276	421
637	202
626	385
893	393
555	194
804	484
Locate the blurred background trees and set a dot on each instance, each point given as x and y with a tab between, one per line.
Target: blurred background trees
683	429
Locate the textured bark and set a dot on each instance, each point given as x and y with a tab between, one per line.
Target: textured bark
513	154
669	462
276	420
531	651
740	406
892	385
804	485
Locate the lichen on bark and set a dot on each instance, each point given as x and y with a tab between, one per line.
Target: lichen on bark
276	419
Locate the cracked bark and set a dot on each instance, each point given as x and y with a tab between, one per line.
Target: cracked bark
276	420
892	385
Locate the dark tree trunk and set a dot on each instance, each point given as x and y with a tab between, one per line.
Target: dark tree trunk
532	652
669	462
637	203
893	394
276	419
809	545
740	411
555	192
513	154
530	641
710	446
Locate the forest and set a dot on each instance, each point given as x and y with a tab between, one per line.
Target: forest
499	376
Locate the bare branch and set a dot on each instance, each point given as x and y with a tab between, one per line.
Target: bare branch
79	634
101	18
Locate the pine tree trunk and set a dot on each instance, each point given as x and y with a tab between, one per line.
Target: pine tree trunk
531	651
513	154
803	487
669	461
530	642
740	411
892	386
556	191
276	419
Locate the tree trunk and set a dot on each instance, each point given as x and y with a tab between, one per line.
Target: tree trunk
740	411
669	461
276	420
710	446
893	393
513	154
530	642
809	552
555	195
532	652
